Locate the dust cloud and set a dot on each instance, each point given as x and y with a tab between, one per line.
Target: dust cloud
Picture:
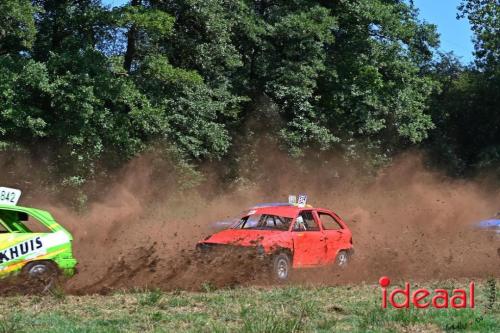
408	222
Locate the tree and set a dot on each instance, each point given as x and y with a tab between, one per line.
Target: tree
190	107
376	89
484	17
85	87
466	110
343	74
17	26
17	71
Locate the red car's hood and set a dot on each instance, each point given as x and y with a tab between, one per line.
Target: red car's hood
251	237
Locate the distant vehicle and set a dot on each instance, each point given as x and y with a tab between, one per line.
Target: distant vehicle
32	243
490	225
293	235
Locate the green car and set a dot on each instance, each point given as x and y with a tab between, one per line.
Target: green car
32	243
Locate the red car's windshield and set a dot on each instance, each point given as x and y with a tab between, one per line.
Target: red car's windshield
264	222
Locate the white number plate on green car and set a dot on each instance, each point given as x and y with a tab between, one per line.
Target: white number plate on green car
9	196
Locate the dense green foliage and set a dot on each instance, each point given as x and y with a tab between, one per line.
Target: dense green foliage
85	87
467	111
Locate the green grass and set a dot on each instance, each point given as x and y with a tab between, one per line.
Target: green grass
286	309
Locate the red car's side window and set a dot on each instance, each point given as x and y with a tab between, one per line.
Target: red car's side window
329	222
305	222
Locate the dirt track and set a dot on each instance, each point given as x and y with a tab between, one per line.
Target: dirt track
407	223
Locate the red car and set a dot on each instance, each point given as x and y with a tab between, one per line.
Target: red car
290	235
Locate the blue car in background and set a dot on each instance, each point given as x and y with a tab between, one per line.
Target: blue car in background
490	225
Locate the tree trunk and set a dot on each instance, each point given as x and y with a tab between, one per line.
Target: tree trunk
131	42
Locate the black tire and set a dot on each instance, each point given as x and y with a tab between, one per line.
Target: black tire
44	275
282	267
342	260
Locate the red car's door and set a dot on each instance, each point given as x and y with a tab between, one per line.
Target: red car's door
337	237
308	241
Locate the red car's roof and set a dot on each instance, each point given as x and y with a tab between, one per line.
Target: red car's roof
285	211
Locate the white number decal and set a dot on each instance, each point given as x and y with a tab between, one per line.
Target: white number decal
9	196
302	201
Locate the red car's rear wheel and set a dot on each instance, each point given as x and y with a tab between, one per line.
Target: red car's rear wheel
342	259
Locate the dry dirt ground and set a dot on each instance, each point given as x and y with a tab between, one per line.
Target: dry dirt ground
407	223
138	270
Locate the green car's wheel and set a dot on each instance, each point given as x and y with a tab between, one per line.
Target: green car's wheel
43	273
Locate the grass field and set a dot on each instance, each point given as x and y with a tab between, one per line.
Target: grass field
286	309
